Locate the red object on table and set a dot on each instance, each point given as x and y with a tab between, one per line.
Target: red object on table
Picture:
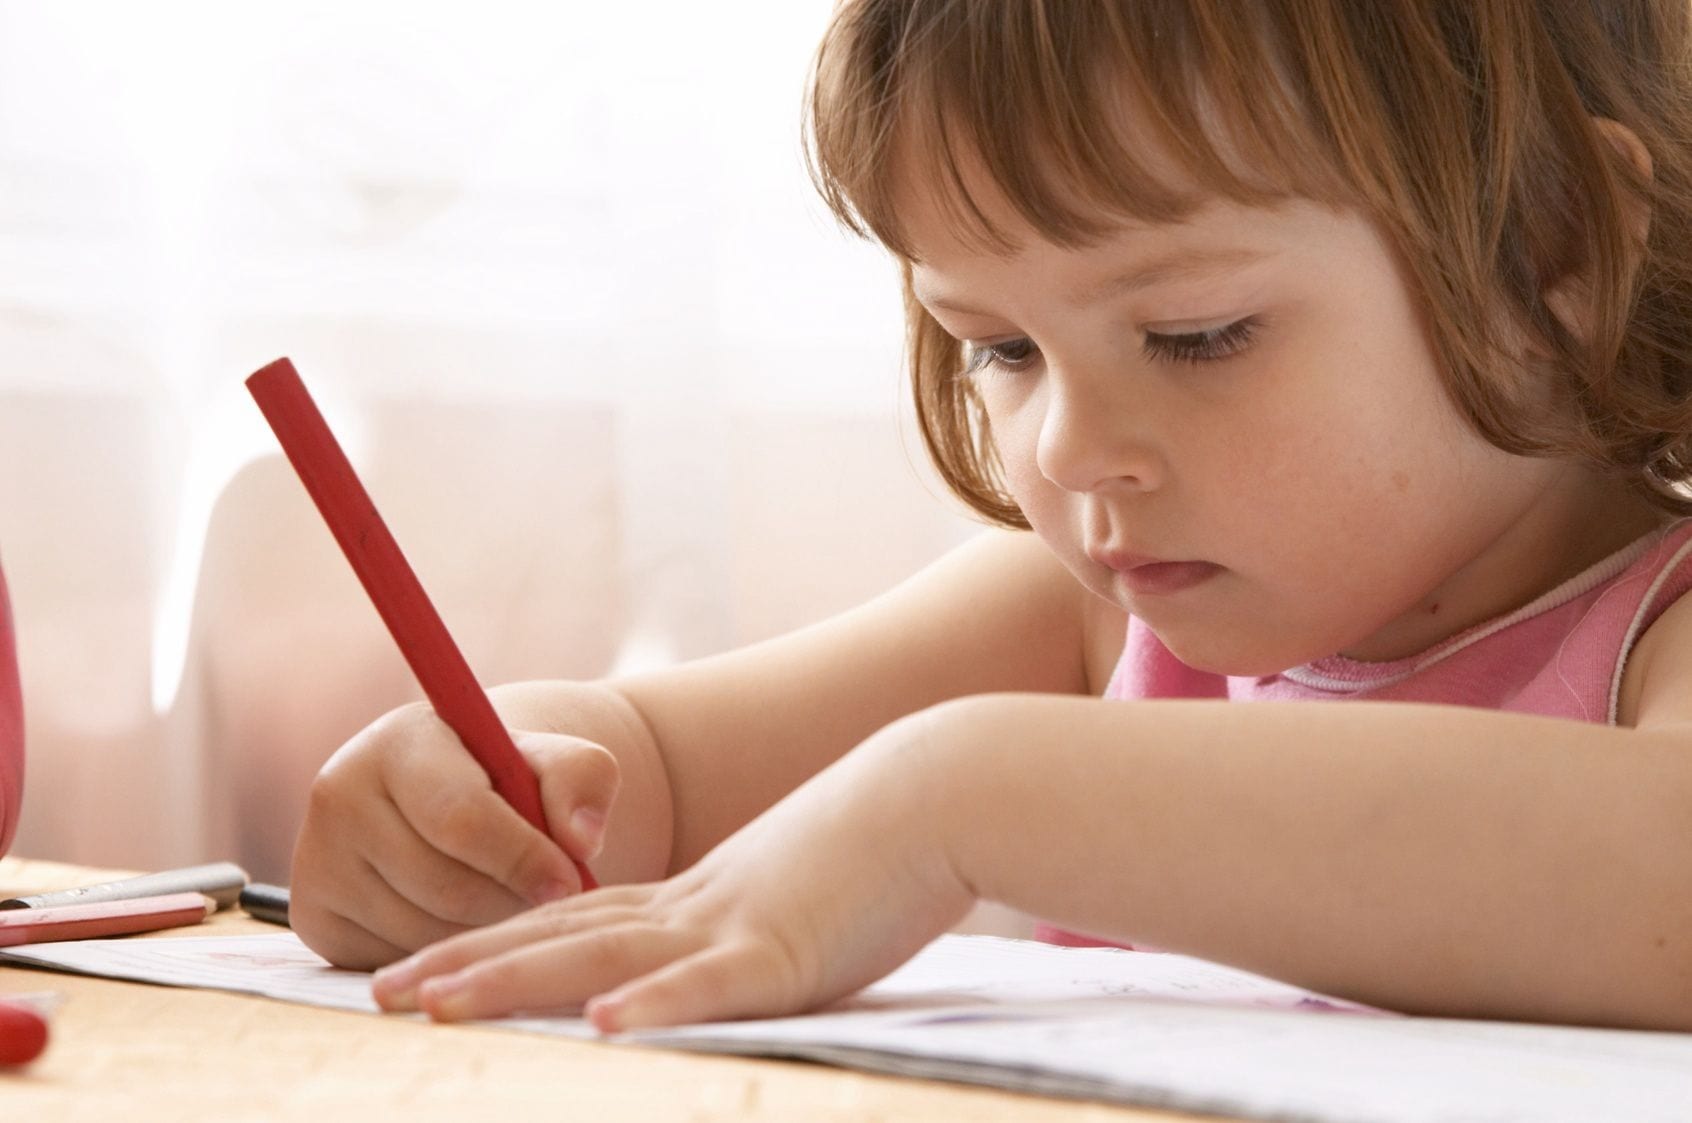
11	726
23	1033
393	587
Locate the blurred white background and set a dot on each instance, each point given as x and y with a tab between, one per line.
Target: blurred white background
622	390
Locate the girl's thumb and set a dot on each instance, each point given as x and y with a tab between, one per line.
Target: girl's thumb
578	782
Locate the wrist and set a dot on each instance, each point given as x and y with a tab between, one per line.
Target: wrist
990	790
926	772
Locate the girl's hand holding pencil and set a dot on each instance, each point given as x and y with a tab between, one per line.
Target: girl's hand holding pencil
828	891
407	842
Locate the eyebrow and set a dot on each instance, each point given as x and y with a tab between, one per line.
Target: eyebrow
1180	265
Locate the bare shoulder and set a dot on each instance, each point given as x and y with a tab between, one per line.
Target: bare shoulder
1656	687
999	613
1042	601
1022	560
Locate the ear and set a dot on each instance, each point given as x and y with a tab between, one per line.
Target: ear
1638	170
1568	297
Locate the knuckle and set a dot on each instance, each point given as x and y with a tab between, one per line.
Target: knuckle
575	769
332	793
409	718
602	768
588	767
612	949
554	920
394	730
364	758
506	695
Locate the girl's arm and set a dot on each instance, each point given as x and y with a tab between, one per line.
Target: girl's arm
1424	858
733	734
404	841
1432	860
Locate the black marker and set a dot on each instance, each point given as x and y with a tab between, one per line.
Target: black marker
266	902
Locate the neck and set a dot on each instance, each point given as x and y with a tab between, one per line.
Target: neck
1580	519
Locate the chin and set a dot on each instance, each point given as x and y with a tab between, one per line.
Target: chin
1232	653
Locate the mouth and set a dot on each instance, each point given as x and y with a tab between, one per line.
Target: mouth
1148	576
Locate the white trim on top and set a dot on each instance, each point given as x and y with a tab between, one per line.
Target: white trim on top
1578	585
1637	625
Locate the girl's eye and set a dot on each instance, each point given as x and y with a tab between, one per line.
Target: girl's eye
1202	346
1208	345
1010	355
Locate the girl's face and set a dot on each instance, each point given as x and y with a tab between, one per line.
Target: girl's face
1234	428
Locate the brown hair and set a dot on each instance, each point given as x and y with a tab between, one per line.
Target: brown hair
1465	129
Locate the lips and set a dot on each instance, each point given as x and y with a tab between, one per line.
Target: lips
1149	576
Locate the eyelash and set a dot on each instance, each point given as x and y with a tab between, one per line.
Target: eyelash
1193	347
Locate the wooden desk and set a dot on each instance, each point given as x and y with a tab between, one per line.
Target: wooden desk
138	1053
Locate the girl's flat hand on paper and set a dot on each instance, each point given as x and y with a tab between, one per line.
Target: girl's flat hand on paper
826	892
405	842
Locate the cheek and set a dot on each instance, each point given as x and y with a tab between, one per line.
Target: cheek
1331	457
1050	510
1374	509
1014	426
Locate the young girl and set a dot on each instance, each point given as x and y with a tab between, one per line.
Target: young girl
1334	354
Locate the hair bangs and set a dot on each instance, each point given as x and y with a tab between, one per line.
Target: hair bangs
1554	269
1070	118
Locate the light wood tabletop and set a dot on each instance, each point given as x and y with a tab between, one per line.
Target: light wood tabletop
139	1052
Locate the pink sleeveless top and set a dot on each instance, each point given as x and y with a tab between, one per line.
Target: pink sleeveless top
1562	655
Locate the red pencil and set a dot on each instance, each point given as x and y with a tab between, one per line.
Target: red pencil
103	918
399	597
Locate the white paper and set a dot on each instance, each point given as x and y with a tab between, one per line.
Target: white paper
1131	1027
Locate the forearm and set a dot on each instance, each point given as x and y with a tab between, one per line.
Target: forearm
739	731
1428	859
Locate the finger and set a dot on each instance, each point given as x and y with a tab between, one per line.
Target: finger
346	820
552	974
579	782
336	885
455	811
383	927
557	918
720	982
346	943
395	986
435	882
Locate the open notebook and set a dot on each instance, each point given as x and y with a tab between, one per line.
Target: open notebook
1129	1027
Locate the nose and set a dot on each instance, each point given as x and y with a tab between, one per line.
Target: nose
1091	437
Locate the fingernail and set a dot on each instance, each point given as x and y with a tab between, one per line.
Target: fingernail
587	827
604	1013
395	986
